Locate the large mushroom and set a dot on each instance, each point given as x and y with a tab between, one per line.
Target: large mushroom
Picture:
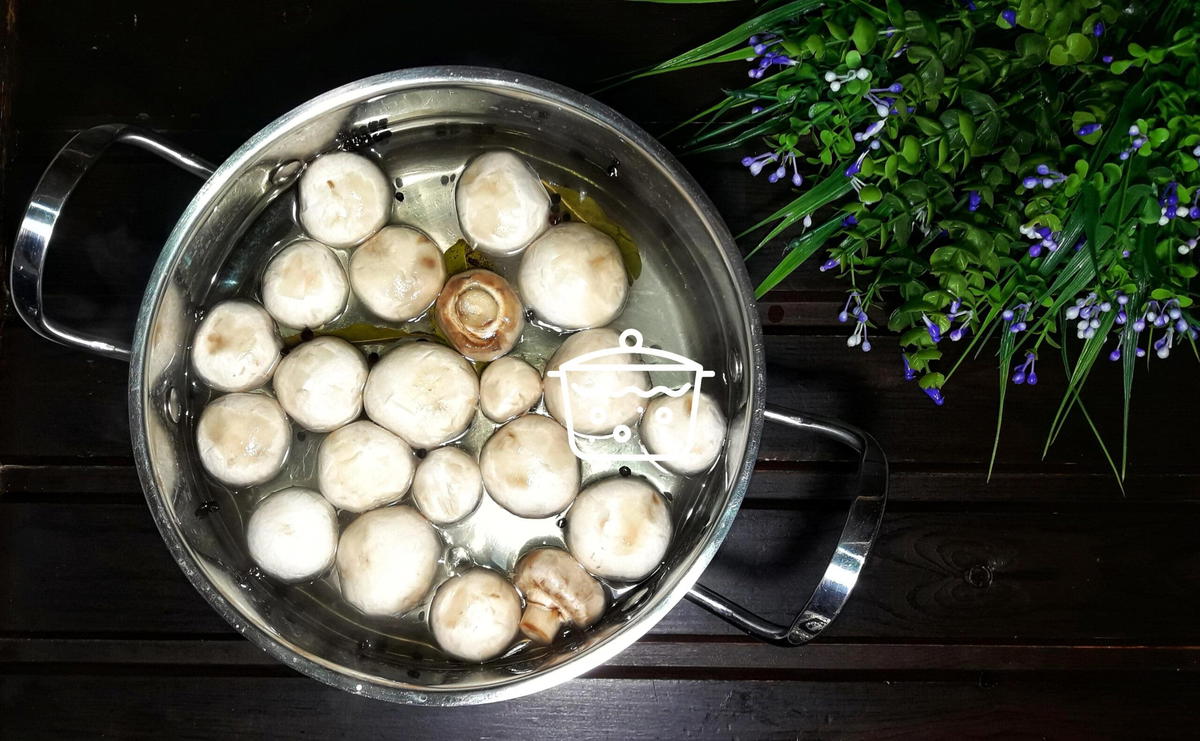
474	616
501	203
344	198
480	314
558	592
320	383
619	528
387	560
397	273
528	467
304	285
424	392
243	439
363	466
668	430
507	388
598	400
447	485
236	346
573	277
293	534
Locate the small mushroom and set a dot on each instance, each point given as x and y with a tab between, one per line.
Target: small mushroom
599	400
363	466
397	273
293	534
243	438
619	528
447	485
474	616
528	467
304	285
320	383
501	203
480	314
558	592
424	392
344	198
667	430
573	277
387	560
508	387
236	346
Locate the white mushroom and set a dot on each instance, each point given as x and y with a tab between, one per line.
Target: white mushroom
528	467
474	616
363	466
508	387
320	383
447	485
573	277
344	198
667	430
243	438
502	204
304	285
424	392
236	346
558	592
599	400
293	534
619	528
397	273
387	560
480	314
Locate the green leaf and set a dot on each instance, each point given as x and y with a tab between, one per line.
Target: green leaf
1078	374
966	126
1079	47
870	194
1118	67
864	35
910	150
1059	57
802	249
853	59
830	189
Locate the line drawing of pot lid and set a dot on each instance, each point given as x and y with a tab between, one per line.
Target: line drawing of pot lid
629	343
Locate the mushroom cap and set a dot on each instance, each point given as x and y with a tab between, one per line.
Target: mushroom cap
508	387
475	616
558	591
528	467
619	528
424	392
666	425
573	277
387	560
397	273
344	198
501	203
363	466
480	314
293	534
595	399
447	485
304	285
320	383
236	346
243	438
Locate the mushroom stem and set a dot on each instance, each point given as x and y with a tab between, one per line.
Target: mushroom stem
540	623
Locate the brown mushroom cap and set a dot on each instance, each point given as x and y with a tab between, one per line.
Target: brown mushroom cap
558	591
480	314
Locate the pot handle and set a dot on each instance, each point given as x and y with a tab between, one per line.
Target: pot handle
45	206
858	535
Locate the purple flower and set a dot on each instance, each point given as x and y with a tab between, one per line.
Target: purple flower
1107	59
849	221
935	332
830	264
909	373
1098	29
973	201
936	395
1010	16
1026	373
1088	129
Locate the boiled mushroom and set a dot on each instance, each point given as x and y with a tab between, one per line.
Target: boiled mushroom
474	616
344	198
598	401
558	592
668	430
363	466
293	534
387	560
398	273
479	314
447	485
304	285
573	277
320	383
528	467
424	392
236	346
501	203
243	438
507	388
619	528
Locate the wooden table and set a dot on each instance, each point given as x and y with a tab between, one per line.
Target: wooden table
1044	603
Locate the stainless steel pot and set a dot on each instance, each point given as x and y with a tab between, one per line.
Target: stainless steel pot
212	251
